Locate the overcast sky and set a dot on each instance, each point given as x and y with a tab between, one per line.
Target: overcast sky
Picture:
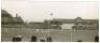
39	10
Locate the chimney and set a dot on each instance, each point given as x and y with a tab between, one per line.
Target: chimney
16	15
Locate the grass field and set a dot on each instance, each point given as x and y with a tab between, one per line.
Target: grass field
66	35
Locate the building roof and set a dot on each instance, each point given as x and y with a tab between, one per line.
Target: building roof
5	13
8	19
17	20
78	19
65	20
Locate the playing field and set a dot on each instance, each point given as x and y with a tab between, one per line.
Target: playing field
66	35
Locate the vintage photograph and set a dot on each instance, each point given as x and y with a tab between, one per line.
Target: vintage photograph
49	21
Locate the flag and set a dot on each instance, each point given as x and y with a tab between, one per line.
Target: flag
51	14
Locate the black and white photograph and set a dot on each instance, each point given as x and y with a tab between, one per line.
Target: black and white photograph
49	21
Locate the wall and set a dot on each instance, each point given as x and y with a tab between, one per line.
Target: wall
67	26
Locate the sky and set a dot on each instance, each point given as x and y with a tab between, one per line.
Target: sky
31	10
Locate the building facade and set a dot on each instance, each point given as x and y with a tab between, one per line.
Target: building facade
8	21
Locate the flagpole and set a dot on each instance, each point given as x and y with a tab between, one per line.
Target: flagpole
49	23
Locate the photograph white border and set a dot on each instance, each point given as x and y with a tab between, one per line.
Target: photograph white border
53	42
